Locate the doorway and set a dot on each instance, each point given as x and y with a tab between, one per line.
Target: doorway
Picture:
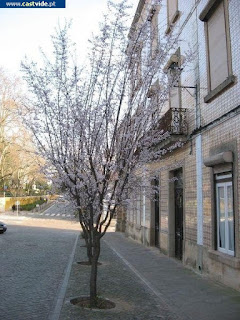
178	196
156	212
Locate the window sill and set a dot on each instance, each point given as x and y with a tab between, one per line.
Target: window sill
219	89
170	23
224	258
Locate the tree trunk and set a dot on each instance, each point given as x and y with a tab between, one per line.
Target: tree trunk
88	241
93	278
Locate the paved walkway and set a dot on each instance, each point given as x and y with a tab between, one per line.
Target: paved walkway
147	285
187	294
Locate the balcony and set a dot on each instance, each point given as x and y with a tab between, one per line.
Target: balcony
174	124
174	121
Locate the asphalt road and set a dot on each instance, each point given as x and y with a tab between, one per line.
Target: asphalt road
58	210
34	255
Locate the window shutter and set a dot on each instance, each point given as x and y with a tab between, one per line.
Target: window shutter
174	97
218	64
154	29
172	8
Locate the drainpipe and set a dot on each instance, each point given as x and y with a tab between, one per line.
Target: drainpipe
199	161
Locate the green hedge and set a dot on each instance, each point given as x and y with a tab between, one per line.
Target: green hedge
31	206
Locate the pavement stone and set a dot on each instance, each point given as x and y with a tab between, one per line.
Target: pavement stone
146	284
115	282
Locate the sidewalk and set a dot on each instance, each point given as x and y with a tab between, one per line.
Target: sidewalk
147	285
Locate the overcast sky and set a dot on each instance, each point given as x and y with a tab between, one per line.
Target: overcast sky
24	30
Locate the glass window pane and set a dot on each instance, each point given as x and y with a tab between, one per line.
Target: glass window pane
230	218
221	217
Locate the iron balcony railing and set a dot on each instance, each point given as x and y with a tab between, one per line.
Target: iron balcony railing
174	121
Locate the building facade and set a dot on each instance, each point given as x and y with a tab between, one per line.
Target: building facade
195	215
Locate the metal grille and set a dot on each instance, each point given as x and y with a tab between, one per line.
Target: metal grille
174	121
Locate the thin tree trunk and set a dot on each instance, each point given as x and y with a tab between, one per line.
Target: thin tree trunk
94	269
88	241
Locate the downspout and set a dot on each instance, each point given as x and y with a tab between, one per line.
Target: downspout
199	160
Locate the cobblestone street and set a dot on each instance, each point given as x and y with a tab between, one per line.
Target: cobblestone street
34	256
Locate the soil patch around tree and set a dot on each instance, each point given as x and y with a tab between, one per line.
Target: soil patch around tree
84	246
84	302
87	263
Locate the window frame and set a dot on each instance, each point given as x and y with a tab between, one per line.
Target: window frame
205	16
224	181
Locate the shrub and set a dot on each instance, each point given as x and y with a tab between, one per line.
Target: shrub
31	206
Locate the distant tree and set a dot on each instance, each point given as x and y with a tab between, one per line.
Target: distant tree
8	118
18	161
97	141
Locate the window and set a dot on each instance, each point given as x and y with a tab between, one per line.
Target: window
172	13
153	18
215	16
136	69
225	214
173	70
217	47
174	85
153	101
138	210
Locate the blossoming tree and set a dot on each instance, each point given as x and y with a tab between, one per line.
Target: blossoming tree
97	124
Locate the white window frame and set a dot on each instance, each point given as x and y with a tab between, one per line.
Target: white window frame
226	249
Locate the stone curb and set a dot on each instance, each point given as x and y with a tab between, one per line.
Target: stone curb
55	314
